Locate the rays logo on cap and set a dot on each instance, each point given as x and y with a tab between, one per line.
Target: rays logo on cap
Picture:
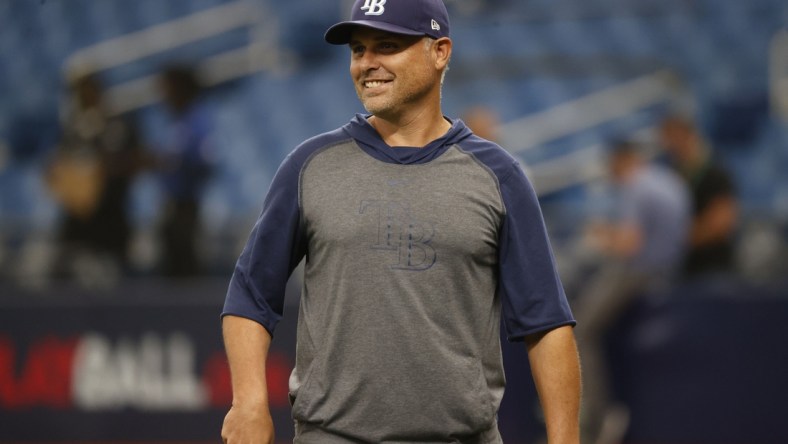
374	7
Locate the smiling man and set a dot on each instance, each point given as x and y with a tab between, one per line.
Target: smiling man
418	237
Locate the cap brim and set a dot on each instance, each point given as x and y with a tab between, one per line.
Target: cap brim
339	34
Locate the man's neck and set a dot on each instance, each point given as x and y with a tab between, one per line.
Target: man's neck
416	130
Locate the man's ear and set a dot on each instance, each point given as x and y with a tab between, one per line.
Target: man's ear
442	52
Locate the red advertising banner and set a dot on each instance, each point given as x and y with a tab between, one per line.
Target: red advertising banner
144	365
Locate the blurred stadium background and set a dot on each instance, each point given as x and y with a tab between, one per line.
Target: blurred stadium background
139	359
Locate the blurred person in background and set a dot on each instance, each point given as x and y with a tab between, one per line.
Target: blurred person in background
90	174
714	202
418	236
483	121
185	165
641	248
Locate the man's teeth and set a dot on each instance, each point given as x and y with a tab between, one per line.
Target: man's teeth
373	84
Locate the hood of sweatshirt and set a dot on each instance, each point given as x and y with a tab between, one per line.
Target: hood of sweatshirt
370	141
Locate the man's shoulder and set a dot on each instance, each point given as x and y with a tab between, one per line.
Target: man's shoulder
301	155
657	183
714	179
655	175
491	155
718	173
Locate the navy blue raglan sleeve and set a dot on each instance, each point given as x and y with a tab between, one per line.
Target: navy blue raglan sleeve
532	296
275	247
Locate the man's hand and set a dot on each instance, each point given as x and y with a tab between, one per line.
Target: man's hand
245	425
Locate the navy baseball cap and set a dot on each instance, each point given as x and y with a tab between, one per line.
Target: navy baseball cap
409	17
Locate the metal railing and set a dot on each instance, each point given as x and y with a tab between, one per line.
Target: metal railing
585	164
778	75
261	53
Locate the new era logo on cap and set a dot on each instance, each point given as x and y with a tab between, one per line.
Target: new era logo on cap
408	17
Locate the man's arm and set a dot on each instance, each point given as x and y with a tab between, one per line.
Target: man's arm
556	371
622	240
249	419
716	222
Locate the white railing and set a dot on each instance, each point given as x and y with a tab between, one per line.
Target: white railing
260	54
588	111
581	166
778	75
585	164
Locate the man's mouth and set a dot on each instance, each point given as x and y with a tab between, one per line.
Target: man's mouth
374	83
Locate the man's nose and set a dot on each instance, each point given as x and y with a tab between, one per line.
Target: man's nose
369	61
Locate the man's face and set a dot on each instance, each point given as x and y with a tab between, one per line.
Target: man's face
677	140
391	72
620	167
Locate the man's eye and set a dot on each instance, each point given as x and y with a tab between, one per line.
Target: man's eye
357	49
387	46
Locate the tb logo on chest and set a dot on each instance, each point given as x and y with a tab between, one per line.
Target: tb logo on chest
397	230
